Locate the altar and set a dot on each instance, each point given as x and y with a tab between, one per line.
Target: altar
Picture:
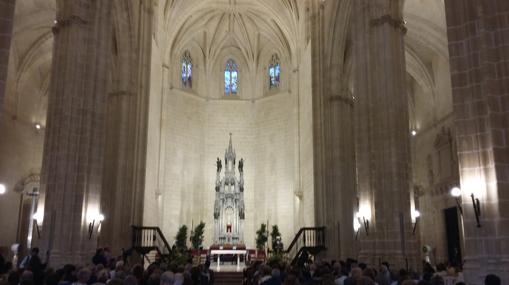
236	252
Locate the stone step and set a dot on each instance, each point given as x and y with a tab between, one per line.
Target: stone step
228	278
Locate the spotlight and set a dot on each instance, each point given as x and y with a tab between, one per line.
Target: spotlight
415	215
456	193
55	21
94	217
414	133
2	189
38	216
38	126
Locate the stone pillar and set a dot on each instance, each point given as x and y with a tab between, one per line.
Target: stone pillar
382	133
6	21
123	181
478	33
333	126
74	140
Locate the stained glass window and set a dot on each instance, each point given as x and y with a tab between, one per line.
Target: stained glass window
274	72
187	70
231	77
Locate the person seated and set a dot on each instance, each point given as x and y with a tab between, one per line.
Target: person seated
492	279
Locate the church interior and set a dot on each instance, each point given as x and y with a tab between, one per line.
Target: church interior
370	130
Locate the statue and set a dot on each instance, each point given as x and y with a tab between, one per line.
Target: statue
241	165
219	165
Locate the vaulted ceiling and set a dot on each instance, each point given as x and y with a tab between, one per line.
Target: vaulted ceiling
247	25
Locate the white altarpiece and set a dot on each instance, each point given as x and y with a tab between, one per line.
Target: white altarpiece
229	203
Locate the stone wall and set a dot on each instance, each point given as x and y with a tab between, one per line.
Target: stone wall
195	131
24	147
478	34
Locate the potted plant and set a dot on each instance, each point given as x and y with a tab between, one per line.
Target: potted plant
197	236
261	238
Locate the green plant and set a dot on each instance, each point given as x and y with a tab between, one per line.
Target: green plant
274	235
181	238
261	237
275	260
197	235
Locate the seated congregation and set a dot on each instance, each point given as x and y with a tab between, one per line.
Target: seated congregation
104	268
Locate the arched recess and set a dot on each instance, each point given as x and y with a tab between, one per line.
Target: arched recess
198	61
245	86
264	58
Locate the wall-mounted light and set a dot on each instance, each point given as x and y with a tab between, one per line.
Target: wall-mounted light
356	227
95	218
413	133
363	216
415	215
38	217
456	193
3	189
477	208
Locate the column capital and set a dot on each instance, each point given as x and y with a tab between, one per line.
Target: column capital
388	19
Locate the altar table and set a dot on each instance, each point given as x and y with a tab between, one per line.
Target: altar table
219	252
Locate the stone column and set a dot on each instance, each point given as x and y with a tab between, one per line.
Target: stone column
74	140
123	181
6	21
478	33
333	126
382	133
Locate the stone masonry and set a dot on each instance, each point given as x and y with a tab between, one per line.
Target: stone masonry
74	142
382	133
478	33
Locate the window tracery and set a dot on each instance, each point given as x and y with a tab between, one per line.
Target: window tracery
274	72
187	70
231	78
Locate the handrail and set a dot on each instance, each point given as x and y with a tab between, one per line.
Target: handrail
147	237
308	238
300	233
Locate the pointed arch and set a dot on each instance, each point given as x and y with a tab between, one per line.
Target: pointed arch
186	74
231	77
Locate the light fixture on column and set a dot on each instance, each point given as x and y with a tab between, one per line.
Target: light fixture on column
413	132
477	208
363	216
356	226
3	189
456	193
415	216
38	217
94	218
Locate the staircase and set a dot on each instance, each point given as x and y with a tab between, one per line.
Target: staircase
228	278
150	242
308	241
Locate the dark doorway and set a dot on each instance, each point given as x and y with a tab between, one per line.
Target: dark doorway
452	231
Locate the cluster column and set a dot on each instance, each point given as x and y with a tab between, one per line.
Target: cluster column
478	33
74	140
382	133
126	127
6	21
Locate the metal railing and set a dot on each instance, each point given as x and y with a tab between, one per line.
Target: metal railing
149	238
306	238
